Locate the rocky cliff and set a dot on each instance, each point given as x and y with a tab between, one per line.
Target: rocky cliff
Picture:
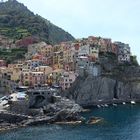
107	88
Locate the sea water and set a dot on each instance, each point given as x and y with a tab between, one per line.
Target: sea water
120	123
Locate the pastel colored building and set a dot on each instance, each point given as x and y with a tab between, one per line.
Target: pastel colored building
92	39
25	77
48	50
105	45
32	64
94	52
46	70
49	61
114	48
82	61
29	78
37	78
18	66
58	60
82	64
67	79
84	50
69	66
6	73
76	48
56	74
123	52
2	63
15	75
36	48
12	72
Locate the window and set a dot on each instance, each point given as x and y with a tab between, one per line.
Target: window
36	93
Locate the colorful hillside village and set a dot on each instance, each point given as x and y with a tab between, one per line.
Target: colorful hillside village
61	64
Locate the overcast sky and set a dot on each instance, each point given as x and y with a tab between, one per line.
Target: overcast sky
116	19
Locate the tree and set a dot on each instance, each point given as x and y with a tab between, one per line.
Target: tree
26	83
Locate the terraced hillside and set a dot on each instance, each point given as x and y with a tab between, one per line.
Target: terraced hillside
17	22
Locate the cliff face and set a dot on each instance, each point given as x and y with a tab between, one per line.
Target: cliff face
91	90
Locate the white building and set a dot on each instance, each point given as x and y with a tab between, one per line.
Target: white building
84	50
82	62
123	52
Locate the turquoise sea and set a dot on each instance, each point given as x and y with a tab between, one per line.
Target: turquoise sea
120	123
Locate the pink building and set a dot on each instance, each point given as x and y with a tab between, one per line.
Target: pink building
2	63
67	80
105	45
114	48
37	78
29	78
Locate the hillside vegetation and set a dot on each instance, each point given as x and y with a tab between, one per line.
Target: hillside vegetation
17	22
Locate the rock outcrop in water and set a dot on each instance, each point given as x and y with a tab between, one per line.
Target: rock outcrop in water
61	110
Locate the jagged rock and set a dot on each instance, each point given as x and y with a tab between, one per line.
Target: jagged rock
93	90
64	110
94	120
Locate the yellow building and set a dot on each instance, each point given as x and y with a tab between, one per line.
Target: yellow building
15	74
58	60
94	52
45	69
48	50
25	77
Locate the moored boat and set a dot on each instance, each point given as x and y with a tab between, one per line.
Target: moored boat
114	104
133	102
106	105
98	106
